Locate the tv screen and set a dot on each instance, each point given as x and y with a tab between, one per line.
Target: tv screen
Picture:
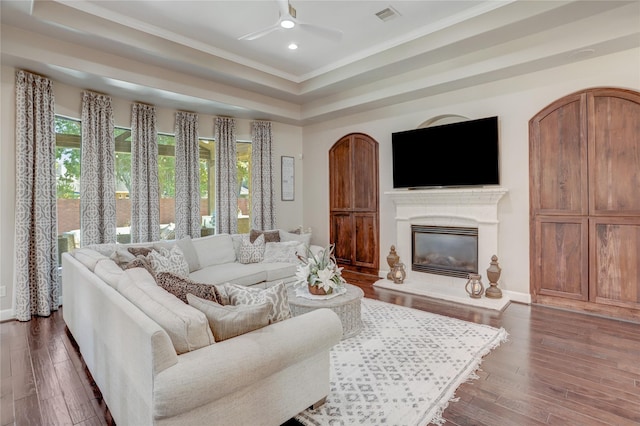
450	155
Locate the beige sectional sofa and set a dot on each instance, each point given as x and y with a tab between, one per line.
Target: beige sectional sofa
154	358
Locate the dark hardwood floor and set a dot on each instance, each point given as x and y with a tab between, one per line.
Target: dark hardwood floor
557	368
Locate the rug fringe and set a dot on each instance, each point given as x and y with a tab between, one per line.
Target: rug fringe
502	337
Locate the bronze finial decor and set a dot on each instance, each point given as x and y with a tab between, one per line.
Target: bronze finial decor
474	286
398	272
392	259
493	275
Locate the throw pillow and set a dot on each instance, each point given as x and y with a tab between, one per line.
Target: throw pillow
277	295
140	251
188	251
282	252
302	238
169	261
180	287
251	252
140	262
122	257
231	321
271	236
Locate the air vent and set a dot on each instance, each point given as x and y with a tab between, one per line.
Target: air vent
387	14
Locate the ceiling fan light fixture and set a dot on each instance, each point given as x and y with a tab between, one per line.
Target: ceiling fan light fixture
287	23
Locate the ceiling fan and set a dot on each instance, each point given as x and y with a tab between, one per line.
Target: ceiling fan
288	20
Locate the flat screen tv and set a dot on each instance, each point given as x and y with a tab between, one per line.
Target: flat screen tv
449	155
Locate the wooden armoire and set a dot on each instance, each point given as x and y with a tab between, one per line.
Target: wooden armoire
584	156
353	203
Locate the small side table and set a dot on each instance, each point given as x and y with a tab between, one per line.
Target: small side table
347	306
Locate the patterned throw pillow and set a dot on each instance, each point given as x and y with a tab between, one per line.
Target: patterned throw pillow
251	252
231	321
271	236
140	262
277	295
283	252
140	251
180	287
169	261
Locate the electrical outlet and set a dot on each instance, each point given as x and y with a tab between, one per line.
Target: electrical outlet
3	291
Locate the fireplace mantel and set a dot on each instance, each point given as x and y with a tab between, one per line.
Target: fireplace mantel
458	207
457	196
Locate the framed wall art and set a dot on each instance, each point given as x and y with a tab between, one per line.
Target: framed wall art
288	178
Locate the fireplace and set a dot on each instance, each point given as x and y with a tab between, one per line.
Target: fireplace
456	208
444	250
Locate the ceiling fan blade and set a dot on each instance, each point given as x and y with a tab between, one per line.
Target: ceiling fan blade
326	32
257	34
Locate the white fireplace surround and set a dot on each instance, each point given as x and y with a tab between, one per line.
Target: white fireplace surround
464	207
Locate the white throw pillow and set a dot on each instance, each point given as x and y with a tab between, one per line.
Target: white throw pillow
290	236
282	252
277	295
251	252
172	261
188	251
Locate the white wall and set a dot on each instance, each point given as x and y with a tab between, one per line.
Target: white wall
514	101
287	141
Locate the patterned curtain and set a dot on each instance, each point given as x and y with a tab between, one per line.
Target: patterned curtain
226	176
187	176
37	286
145	203
97	171
262	191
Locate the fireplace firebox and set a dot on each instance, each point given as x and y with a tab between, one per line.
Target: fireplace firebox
442	250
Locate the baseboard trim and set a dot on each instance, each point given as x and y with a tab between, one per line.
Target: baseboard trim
7	315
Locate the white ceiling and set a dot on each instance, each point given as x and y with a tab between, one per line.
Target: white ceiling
429	47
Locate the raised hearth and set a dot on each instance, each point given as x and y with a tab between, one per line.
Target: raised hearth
452	207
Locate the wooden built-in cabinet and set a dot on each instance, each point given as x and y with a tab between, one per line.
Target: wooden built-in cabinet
353	200
585	202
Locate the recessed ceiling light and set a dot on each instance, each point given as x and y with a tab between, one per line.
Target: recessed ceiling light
293	46
287	23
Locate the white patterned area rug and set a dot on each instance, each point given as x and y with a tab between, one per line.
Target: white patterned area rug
402	369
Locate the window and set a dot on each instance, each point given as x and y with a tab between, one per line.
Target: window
68	136
68	144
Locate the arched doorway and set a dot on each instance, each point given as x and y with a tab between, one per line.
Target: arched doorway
585	210
354	204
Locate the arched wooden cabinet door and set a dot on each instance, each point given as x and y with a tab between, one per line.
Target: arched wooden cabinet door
353	201
584	156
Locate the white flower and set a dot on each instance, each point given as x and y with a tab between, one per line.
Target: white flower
302	273
325	276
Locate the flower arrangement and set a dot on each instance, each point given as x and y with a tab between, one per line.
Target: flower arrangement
320	272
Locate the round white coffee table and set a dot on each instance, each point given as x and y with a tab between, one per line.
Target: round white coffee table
347	306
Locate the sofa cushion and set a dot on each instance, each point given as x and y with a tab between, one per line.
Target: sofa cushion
171	260
277	295
290	236
188	251
187	327
88	257
180	287
214	249
249	274
108	271
270	236
279	271
231	321
251	251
